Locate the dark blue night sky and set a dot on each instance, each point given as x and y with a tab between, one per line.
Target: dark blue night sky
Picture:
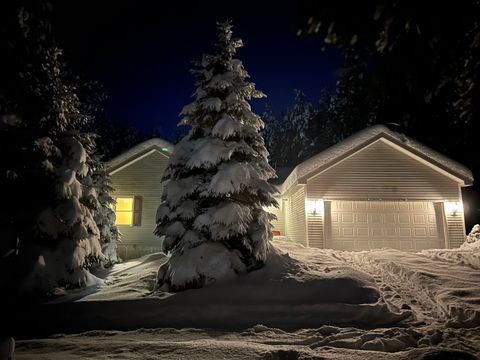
142	54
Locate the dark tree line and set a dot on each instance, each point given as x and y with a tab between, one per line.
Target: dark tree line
306	128
423	60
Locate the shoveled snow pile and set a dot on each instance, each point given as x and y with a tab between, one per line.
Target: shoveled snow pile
468	254
473	239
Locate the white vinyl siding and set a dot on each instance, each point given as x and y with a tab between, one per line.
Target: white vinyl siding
381	172
455	228
144	179
315	226
295	222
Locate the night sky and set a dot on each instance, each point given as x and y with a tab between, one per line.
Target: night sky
142	53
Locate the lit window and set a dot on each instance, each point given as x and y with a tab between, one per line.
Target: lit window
124	211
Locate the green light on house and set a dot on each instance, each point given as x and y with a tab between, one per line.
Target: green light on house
165	149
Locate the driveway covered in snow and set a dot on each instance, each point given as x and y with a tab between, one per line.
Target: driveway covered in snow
305	304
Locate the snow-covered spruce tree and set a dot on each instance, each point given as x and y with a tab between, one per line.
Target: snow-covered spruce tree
288	138
213	215
274	135
101	206
299	115
66	225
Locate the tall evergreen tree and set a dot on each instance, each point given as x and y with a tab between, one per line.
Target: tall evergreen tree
288	138
273	133
322	126
213	215
299	116
104	215
54	192
354	105
66	224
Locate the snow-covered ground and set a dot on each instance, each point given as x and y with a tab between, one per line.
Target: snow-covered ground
309	304
257	342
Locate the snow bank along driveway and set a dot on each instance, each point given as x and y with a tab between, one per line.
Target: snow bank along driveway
381	304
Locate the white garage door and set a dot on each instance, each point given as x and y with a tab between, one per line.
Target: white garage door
363	225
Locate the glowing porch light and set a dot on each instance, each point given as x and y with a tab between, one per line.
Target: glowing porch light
453	208
314	206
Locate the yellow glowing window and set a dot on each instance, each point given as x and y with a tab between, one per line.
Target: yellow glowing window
124	211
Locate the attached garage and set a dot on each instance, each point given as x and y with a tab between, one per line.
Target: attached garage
375	189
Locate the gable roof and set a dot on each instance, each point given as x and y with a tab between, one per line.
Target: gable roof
138	151
359	140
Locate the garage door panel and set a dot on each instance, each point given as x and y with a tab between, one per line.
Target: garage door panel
377	244
391	233
390	219
360	205
348	245
362	232
376	232
376	219
420	232
362	218
419	219
390	205
423	244
404	218
363	245
407	245
347	218
403	206
346	205
390	244
360	225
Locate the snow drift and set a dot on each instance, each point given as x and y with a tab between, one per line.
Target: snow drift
292	291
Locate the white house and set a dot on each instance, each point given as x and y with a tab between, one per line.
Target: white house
377	188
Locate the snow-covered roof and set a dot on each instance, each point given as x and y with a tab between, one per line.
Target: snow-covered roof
139	150
339	151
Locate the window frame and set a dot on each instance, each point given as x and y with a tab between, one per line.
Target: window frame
132	210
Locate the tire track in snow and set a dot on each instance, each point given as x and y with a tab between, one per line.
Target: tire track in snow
396	290
436	291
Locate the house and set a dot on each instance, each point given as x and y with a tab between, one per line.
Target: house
377	188
137	179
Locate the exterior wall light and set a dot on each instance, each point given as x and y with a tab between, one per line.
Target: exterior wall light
453	208
314	207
